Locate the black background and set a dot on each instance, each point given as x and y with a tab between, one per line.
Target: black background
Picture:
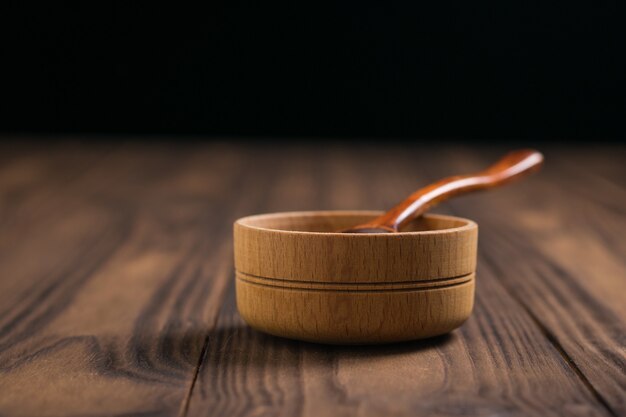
437	70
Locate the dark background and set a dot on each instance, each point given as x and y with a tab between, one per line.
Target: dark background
436	70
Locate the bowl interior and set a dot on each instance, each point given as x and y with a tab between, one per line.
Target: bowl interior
332	221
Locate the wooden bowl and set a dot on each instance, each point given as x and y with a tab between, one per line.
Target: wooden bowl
297	278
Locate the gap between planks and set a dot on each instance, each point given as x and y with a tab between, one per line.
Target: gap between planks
259	201
225	271
550	337
556	344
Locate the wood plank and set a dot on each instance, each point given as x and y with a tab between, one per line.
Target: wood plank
555	253
115	280
499	362
32	174
602	161
119	299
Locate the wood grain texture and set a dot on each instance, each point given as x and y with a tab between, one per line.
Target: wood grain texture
292	267
355	316
117	289
559	287
108	286
279	246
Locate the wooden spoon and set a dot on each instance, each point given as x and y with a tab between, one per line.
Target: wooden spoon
511	167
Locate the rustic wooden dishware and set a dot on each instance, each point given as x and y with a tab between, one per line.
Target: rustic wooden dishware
316	276
296	278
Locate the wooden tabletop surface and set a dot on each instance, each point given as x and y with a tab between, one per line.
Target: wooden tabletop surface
117	298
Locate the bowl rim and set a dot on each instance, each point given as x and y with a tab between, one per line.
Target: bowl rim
469	224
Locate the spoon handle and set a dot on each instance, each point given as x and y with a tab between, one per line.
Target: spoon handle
511	167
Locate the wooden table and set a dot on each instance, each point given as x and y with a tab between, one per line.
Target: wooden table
116	284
